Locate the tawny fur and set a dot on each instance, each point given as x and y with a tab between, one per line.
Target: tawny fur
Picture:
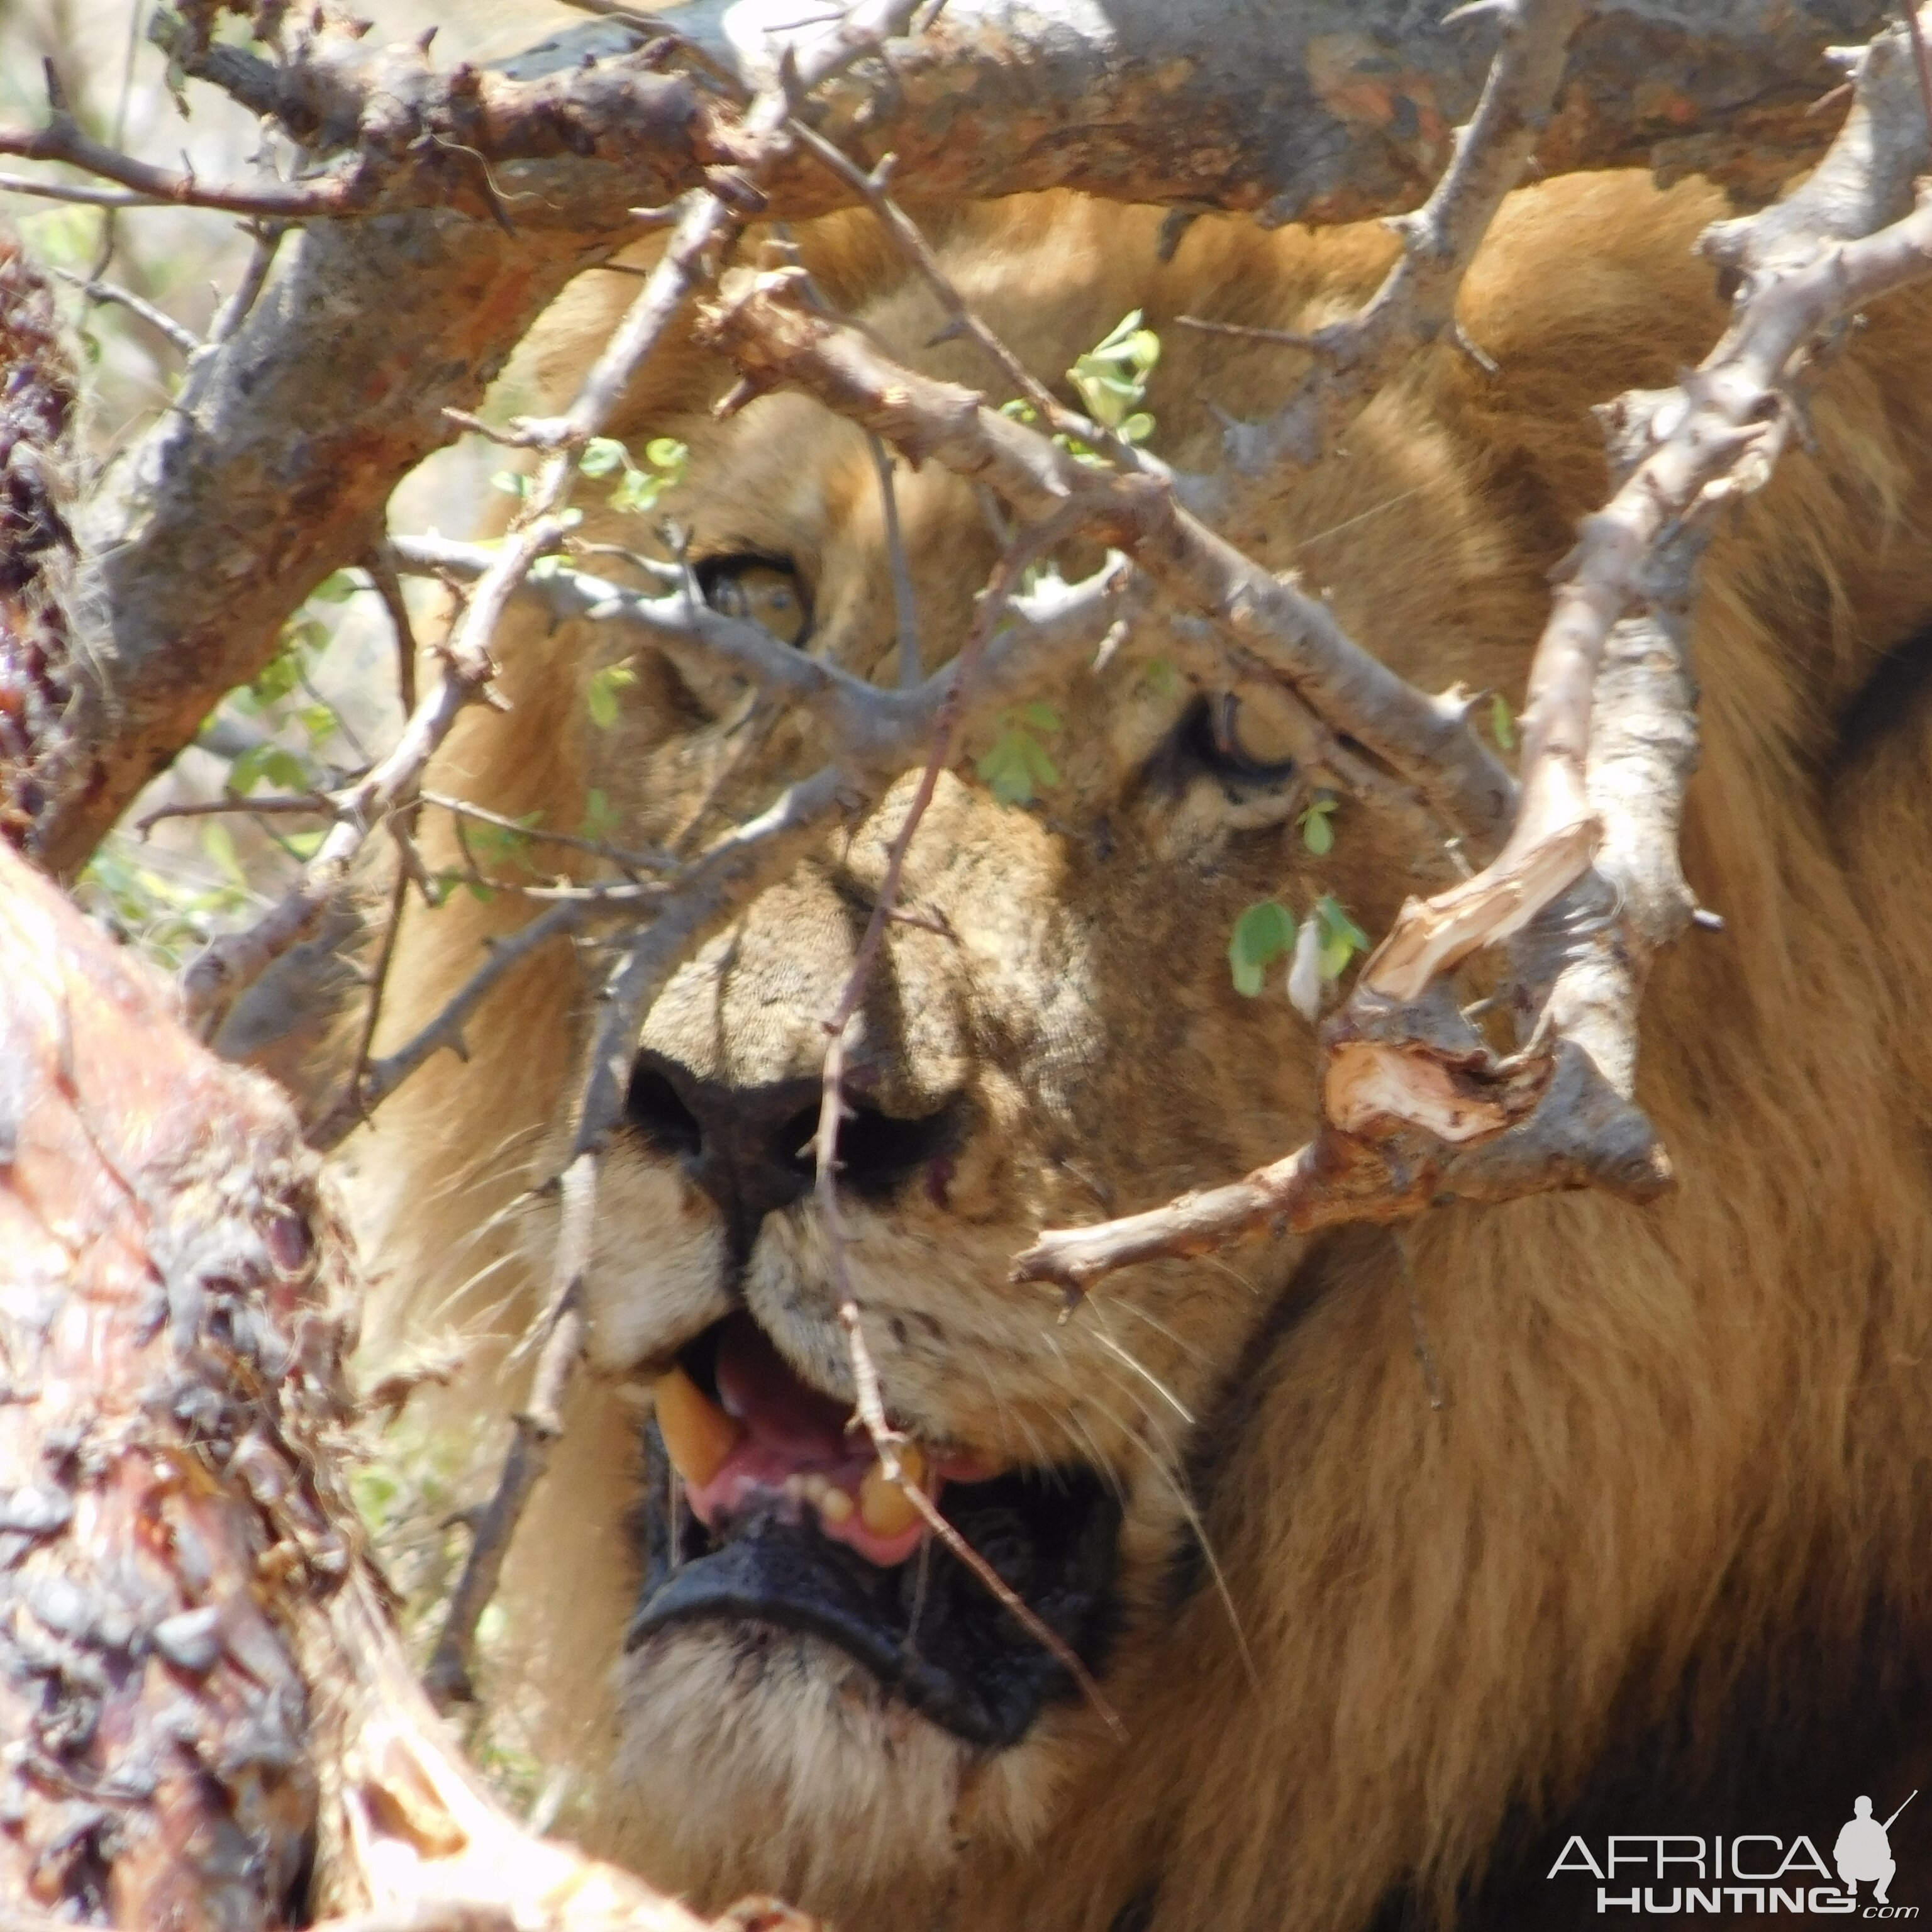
1676	1463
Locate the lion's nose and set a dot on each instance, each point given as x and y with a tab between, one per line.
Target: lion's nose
750	1148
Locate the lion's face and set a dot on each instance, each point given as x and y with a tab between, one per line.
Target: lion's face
1050	1035
1373	1543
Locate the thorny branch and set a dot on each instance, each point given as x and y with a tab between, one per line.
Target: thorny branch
775	340
1416	304
1415	1108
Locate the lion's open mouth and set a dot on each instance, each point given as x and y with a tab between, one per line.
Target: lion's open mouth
782	1518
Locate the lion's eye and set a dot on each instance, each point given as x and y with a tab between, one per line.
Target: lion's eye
1241	740
764	590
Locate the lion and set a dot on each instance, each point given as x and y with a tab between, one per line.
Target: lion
1401	1555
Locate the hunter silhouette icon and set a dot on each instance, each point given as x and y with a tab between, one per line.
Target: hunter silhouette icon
1863	1853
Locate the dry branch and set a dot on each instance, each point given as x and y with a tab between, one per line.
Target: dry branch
1416	304
275	469
775	340
1415	1108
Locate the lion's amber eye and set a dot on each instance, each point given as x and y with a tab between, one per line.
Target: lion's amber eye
762	590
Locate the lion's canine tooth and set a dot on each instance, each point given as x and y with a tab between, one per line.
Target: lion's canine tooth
835	1505
697	1434
884	1508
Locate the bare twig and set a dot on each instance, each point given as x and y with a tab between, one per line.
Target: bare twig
147	186
619	856
1416	304
379	981
964	319
905	603
445	1031
183	337
272	805
1921	57
381	565
228	965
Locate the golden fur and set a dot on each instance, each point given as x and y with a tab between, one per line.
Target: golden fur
1673	1499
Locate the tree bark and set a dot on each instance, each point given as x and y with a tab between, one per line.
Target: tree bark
210	1724
276	468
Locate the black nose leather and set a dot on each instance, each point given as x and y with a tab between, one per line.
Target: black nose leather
750	1148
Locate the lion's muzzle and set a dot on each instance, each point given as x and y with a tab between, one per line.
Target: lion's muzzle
778	1529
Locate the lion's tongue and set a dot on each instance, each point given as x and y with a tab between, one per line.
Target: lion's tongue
774	1438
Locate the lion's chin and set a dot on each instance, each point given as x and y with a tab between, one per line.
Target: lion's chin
755	1759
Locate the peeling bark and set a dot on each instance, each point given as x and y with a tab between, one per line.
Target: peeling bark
209	1724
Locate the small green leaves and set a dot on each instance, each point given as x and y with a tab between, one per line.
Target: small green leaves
499	844
1318	834
640	486
1017	763
1324	944
1160	678
1341	938
1502	723
603	456
601	694
1111	378
218	842
271	763
1261	935
511	482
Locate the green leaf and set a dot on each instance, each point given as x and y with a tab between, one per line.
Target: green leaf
319	723
338	587
1040	717
1261	935
511	482
1502	723
1039	761
667	453
1341	938
1160	677
1006	770
1137	428
1317	833
604	456
277	678
601	694
304	844
637	492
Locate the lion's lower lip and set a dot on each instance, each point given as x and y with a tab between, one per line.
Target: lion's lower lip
967	1665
